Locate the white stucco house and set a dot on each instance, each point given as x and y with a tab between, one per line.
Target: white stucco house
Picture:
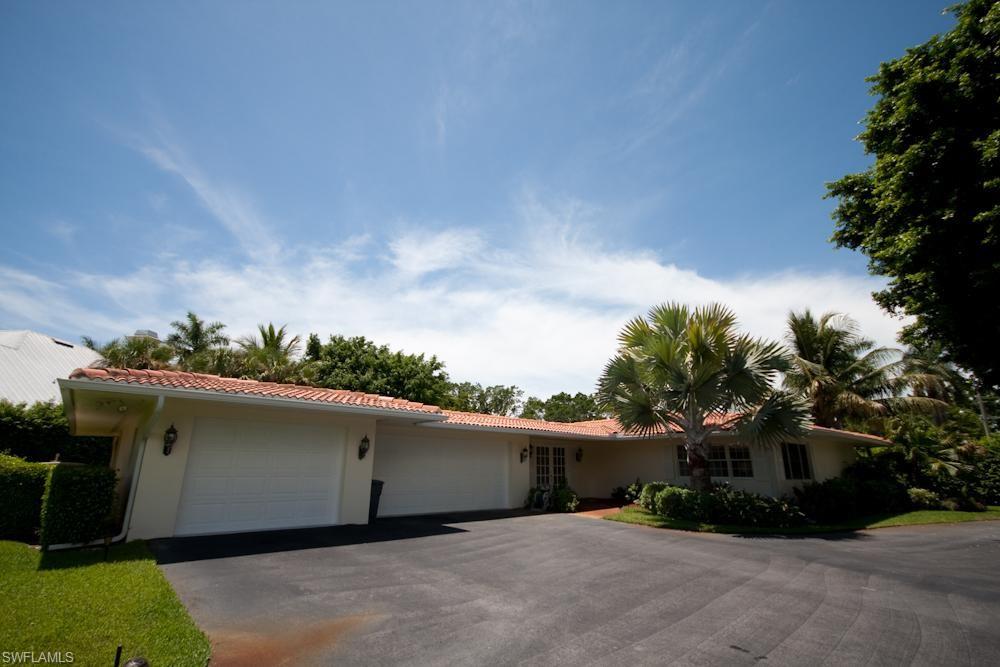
249	455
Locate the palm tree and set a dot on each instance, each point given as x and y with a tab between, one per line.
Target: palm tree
846	376
139	352
692	371
271	355
193	336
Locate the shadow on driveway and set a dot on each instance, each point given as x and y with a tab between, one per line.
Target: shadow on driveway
207	547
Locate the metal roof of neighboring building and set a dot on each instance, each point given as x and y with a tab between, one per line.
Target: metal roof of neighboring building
31	362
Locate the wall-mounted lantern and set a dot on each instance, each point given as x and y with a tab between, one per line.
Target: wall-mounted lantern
524	455
169	438
579	454
364	446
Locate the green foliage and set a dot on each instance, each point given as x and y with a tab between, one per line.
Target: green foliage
927	212
139	352
847	377
192	337
693	371
627	494
494	400
647	497
563	407
723	504
22	485
269	356
39	432
76	507
360	365
564	499
923	499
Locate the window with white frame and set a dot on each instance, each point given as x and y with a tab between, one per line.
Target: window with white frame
558	466
683	469
795	457
740	461
542	469
718	466
734	461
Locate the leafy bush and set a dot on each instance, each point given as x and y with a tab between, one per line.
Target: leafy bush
647	497
618	494
40	431
633	490
564	499
830	501
673	501
881	482
76	507
924	499
726	505
22	485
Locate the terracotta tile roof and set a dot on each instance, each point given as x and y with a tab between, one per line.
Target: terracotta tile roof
602	428
496	421
214	383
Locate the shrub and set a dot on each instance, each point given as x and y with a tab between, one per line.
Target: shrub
564	499
633	490
647	497
673	501
40	431
76	507
881	482
829	501
924	499
619	495
22	485
726	505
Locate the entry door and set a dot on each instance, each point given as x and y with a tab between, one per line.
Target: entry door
550	466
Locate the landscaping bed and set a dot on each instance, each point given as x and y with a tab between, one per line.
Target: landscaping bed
75	601
637	515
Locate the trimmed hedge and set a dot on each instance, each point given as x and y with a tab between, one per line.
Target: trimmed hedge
77	504
22	485
40	431
722	505
647	497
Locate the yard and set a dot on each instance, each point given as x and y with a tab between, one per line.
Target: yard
637	515
77	602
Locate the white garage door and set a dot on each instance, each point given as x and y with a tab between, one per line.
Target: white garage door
427	474
244	476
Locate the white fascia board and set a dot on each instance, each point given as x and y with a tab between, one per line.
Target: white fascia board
518	431
239	399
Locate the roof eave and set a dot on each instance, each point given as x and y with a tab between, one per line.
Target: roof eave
239	399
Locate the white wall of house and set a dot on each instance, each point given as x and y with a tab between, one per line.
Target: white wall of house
161	478
428	469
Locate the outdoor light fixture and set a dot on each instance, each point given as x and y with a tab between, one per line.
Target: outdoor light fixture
363	447
169	438
579	454
524	454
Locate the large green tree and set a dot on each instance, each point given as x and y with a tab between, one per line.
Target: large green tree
358	364
847	378
563	407
139	352
270	354
927	211
692	371
495	399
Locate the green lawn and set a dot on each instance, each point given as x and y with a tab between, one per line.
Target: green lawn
75	601
640	516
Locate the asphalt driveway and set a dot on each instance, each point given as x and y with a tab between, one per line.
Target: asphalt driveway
557	589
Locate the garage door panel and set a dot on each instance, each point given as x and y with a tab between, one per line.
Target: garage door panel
424	474
244	476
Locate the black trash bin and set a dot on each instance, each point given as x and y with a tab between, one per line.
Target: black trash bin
377	485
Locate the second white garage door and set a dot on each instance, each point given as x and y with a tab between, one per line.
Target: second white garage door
244	476
424	474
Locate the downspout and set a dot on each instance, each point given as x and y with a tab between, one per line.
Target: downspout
137	468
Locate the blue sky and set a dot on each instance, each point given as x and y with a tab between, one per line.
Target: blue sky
501	184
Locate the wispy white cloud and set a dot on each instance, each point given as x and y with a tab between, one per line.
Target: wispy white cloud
63	231
538	307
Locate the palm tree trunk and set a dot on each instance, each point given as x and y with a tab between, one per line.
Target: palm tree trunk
698	463
982	411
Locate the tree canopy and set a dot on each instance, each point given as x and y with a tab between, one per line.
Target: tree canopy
358	364
927	211
563	407
497	399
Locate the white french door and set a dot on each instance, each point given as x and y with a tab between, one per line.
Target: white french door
550	466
